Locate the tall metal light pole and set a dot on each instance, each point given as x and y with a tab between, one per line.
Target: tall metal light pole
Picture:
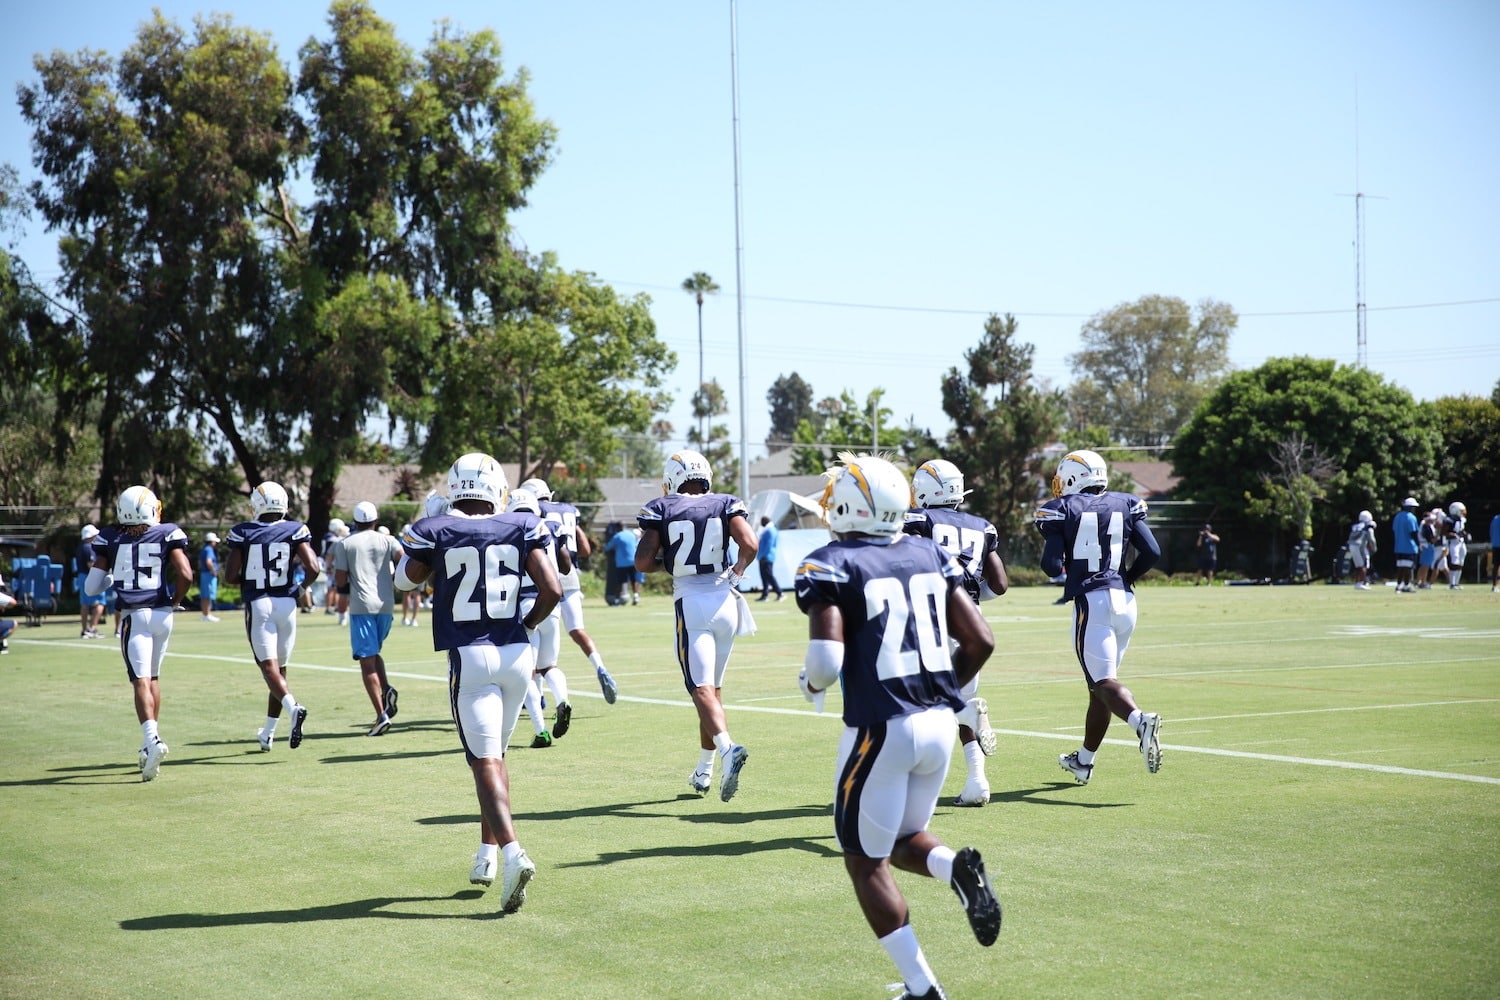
739	251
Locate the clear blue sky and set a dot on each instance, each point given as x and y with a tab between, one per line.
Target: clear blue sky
909	168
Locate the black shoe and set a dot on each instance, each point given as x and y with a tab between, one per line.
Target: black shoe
299	716
563	721
390	701
936	993
973	889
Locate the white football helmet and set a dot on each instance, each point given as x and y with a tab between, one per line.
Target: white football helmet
865	494
538	488
477	476
268	498
338	527
1457	509
1077	471
683	467
138	505
938	483
523	499
1365	517
435	505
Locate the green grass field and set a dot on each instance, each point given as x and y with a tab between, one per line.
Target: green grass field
1326	822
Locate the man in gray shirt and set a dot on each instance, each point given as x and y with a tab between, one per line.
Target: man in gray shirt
365	565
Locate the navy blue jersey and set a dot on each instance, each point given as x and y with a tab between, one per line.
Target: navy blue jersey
694	530
968	538
564	519
477	564
554	530
139	564
893	597
267	551
1090	532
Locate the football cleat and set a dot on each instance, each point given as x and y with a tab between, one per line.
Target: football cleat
542	741
976	792
936	993
700	781
389	701
381	725
1081	772
140	759
483	872
513	883
563	720
729	782
264	737
299	716
972	886
607	685
1150	748
151	766
981	726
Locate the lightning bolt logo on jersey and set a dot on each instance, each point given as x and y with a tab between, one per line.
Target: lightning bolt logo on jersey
267	551
894	600
477	565
139	564
1095	528
969	538
694	533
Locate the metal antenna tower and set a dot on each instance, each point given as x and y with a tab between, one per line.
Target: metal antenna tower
1359	245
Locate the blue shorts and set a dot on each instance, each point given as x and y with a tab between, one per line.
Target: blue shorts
1428	556
208	586
84	599
367	633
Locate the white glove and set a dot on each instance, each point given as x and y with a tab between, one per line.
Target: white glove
730	577
816	697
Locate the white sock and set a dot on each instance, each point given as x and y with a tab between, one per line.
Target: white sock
706	762
512	851
534	707
289	703
487	852
722	742
901	944
557	683
974	757
1134	721
596	660
148	732
270	725
1086	756
940	863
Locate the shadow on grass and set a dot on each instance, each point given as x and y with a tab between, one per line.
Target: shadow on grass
733	849
357	909
1030	797
638	810
76	775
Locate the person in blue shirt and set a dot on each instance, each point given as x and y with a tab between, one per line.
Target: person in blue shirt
621	551
90	606
208	577
766	559
1086	530
1495	554
1404	528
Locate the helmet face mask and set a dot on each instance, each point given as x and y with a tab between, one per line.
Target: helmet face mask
1078	471
138	505
683	467
477	476
268	498
865	495
938	483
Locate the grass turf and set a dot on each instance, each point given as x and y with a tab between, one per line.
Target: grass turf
1323	824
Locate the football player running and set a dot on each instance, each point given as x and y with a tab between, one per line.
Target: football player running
1086	531
547	639
261	553
937	489
689	527
146	562
475	555
882	607
565	517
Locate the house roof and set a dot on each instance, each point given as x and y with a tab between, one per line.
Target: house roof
1153	480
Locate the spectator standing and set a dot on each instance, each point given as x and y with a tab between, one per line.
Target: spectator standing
365	567
1429	538
337	531
90	606
1495	554
1362	549
899	725
766	558
620	548
154	576
477	622
8	625
1208	555
1404	531
208	577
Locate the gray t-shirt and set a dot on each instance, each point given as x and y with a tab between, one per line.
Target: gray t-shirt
369	557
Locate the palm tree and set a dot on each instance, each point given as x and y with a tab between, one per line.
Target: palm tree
699	285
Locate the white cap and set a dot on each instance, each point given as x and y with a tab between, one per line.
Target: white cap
89	531
365	512
211	537
1410	502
